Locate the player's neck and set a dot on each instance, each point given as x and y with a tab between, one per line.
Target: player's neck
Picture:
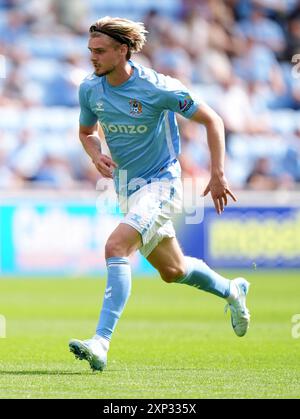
120	75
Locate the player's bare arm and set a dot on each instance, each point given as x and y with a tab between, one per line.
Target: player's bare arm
91	142
218	185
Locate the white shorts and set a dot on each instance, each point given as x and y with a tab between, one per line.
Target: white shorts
151	211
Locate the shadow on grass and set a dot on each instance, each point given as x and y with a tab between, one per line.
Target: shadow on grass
32	372
110	370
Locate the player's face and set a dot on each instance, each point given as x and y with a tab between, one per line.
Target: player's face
106	54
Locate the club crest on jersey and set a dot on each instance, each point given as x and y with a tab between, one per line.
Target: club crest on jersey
136	108
186	103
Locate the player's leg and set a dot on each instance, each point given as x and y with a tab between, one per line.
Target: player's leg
124	241
173	266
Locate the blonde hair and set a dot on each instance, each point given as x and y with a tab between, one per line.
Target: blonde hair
124	31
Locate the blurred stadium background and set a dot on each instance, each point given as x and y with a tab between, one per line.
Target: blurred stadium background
240	56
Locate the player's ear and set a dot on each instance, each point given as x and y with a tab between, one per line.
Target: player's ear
124	49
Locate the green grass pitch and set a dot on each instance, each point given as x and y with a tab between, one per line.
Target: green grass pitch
173	341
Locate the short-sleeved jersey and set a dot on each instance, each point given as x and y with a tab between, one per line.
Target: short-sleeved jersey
138	120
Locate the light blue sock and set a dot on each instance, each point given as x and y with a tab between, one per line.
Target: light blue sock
117	292
199	275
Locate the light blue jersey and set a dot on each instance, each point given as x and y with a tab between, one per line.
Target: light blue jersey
139	123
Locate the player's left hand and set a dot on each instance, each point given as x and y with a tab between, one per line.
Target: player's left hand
219	189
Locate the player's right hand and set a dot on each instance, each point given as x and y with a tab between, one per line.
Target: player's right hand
105	165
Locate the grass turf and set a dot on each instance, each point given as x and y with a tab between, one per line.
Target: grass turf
173	341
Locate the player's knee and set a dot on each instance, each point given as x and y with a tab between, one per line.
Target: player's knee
114	248
170	274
